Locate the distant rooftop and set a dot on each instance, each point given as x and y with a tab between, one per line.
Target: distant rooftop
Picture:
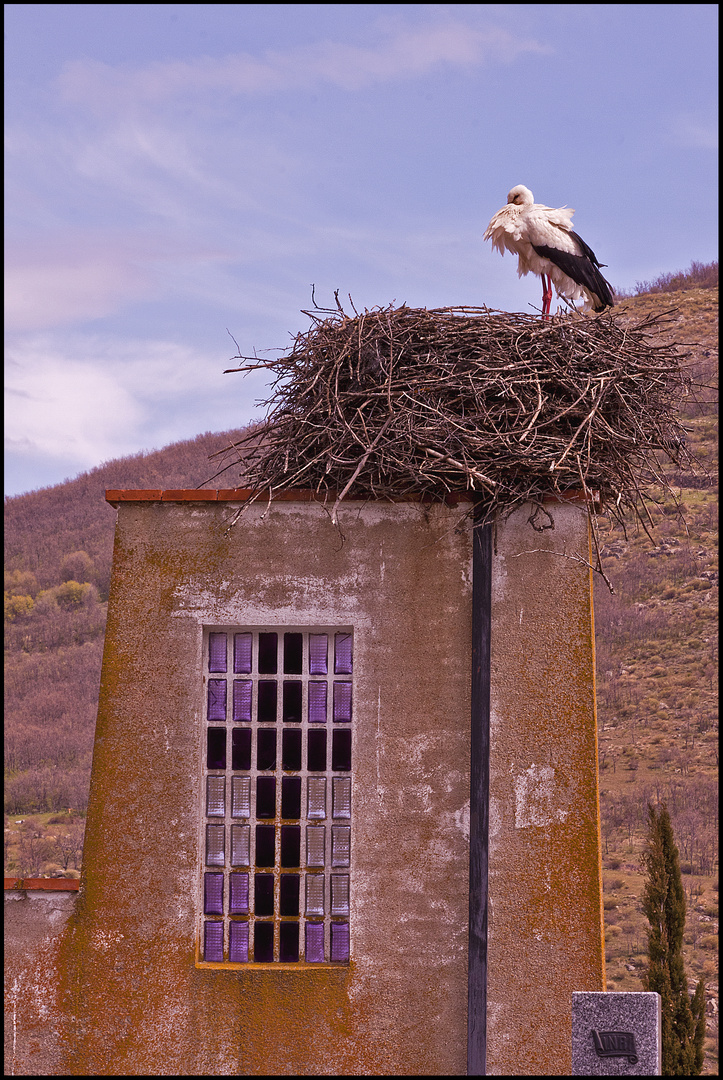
56	884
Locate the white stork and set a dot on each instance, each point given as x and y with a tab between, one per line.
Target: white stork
544	240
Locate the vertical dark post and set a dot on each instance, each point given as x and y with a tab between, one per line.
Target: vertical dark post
479	798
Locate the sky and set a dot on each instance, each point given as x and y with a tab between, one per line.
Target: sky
179	175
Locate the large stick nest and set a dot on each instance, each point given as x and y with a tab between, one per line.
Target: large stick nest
507	407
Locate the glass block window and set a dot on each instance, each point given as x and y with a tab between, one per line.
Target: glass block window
277	798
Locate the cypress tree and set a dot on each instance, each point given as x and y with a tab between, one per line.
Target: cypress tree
683	1024
698	1009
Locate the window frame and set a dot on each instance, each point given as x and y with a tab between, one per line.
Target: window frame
337	829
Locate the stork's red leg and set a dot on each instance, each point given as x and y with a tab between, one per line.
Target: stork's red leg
546	295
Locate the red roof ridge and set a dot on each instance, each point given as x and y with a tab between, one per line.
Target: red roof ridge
121	495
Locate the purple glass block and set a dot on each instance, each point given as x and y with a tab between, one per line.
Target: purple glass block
213	942
340	845
342	702
314	943
215	849
341	801
340	942
215	796
317	702
318	649
213	894
242	654
242	701
340	894
342	654
240	845
216	699
216	652
238	950
241	797
239	902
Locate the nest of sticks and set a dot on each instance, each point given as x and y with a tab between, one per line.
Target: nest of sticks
403	401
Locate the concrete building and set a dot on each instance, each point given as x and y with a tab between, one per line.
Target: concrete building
276	871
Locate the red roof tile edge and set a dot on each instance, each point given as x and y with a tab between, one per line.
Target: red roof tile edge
118	496
49	883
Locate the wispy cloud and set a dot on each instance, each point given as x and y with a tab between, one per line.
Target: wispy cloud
406	53
86	399
192	214
47	294
694	131
61	407
81	275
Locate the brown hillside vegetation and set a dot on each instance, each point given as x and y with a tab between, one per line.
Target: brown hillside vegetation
657	663
58	551
656	640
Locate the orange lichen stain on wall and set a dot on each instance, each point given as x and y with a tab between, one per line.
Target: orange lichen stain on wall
291	1018
132	1009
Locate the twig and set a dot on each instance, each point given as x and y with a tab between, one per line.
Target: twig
358	469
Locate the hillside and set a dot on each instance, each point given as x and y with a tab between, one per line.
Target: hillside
58	552
656	641
657	678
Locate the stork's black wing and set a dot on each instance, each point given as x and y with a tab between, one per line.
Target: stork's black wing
583	269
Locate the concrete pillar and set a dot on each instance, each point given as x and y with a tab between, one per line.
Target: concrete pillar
545	923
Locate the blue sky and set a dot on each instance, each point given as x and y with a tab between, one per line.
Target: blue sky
177	170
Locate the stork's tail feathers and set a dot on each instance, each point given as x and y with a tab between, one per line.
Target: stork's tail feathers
604	298
603	293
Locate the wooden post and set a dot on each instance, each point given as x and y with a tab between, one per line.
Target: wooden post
479	798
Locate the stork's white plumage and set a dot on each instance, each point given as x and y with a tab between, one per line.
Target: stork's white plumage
544	241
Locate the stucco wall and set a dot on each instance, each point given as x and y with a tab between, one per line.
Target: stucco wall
34	920
401	576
